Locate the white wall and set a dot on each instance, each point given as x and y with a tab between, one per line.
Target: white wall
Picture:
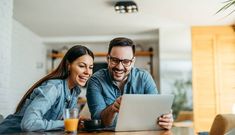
175	57
28	55
175	54
22	60
6	12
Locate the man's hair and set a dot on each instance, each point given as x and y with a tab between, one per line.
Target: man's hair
121	41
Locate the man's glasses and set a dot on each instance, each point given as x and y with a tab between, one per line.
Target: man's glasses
116	61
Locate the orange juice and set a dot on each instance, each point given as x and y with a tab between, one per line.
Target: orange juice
71	124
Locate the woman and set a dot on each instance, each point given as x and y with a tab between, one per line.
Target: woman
41	108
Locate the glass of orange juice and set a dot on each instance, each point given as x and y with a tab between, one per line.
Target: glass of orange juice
71	118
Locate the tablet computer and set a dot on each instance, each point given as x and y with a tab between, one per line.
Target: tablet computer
140	111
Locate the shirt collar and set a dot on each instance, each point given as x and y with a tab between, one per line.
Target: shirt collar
68	94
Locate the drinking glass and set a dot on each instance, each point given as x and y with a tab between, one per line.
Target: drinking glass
71	119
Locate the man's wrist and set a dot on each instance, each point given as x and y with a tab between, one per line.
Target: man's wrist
111	108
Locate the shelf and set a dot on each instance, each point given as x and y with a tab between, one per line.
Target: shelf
100	54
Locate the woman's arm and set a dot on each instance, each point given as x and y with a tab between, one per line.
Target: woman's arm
33	117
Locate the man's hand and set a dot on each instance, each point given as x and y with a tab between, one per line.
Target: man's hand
116	104
166	121
108	114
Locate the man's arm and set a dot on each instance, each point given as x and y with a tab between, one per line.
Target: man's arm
109	113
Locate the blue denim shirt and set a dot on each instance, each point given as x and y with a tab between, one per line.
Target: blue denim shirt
43	110
102	91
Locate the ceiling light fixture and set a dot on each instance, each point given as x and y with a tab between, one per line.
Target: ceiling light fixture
126	7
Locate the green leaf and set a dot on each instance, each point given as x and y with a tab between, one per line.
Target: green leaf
227	5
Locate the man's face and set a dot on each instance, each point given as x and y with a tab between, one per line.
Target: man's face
120	62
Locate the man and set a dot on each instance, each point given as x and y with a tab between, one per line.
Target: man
105	87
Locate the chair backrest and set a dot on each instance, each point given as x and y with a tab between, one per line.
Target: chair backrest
222	124
85	112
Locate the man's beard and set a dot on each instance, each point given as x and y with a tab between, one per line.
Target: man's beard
122	70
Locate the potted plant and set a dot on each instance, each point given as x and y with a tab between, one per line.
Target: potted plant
227	5
181	100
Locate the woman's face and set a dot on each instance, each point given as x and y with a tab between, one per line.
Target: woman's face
80	71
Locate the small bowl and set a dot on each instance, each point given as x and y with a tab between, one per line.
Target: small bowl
92	124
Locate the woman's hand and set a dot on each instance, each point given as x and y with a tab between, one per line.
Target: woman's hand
166	121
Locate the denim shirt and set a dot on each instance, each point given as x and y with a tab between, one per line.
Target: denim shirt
43	110
102	91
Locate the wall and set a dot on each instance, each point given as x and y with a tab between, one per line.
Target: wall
28	61
213	73
175	57
22	60
6	12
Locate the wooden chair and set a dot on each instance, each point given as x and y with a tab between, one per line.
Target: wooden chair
85	113
222	124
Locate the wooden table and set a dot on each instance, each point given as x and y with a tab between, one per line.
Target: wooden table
173	131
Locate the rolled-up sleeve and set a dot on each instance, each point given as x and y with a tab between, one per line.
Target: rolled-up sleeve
95	98
42	102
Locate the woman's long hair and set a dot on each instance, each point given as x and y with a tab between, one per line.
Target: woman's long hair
61	72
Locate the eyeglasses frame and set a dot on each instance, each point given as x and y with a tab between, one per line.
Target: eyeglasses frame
121	60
